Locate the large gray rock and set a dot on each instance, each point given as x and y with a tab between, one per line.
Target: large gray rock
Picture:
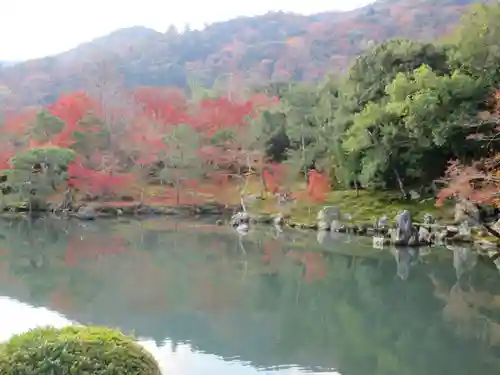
404	229
87	212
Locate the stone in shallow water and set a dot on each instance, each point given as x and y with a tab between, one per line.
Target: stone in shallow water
86	213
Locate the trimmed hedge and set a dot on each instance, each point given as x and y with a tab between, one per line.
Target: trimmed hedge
78	350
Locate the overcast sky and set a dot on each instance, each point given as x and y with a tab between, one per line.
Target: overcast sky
37	28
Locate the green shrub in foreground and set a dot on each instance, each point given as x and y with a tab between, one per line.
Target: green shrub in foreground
78	350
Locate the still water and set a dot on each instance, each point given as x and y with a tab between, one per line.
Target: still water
206	301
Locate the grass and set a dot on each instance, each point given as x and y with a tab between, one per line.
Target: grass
364	208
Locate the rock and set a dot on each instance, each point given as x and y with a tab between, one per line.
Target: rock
242	228
464	229
496	226
413	241
424	236
278	220
441	235
262	219
466	211
404	229
240	218
361	230
429	219
414	195
328	214
382	222
323	225
485	244
336	226
86	212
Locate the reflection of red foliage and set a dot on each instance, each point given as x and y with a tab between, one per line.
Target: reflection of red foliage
62	299
314	262
91	247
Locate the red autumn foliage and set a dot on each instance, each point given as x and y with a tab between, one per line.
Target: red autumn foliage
165	106
71	108
477	183
318	186
129	137
97	182
275	176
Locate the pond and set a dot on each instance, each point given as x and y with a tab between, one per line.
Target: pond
206	301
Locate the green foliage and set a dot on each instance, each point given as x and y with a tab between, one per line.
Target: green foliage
476	42
182	162
400	114
36	173
75	350
421	119
52	156
94	135
371	72
45	126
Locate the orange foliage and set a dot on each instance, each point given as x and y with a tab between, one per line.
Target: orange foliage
318	186
479	183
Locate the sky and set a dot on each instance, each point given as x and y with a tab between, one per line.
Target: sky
37	28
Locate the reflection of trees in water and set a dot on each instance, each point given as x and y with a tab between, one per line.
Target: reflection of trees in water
473	312
259	297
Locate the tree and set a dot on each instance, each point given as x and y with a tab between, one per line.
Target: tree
475	43
38	173
182	162
422	121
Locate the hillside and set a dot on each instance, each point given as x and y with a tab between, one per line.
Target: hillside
276	46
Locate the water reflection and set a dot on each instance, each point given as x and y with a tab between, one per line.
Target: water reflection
204	299
17	317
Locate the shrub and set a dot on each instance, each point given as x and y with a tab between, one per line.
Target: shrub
75	350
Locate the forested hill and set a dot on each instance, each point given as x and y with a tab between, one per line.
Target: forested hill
276	46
